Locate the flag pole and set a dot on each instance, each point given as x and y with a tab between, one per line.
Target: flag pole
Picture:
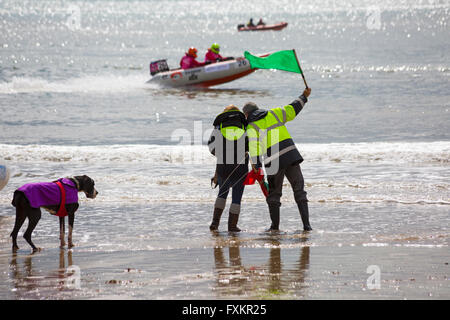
304	80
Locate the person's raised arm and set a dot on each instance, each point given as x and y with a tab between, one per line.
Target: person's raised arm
299	103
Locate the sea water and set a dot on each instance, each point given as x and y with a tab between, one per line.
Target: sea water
374	135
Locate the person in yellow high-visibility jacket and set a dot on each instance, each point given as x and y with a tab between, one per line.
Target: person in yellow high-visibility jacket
270	143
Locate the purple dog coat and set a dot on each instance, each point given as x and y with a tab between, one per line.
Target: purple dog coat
41	194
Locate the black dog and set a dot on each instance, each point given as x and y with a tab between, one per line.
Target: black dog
29	206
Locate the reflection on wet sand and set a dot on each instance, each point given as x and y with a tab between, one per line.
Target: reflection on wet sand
268	280
28	282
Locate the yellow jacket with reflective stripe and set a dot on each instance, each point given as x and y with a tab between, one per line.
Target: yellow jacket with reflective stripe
269	139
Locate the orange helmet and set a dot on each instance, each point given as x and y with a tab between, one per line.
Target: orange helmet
192	52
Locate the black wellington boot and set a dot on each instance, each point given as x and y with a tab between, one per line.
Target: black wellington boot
275	217
233	217
216	219
304	214
232	223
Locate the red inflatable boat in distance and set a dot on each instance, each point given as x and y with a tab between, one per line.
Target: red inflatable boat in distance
276	27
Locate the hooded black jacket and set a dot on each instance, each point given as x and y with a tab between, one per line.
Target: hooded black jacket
232	159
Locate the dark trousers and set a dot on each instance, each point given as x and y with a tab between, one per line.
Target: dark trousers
236	186
295	177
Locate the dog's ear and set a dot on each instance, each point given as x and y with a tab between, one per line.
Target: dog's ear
83	178
89	180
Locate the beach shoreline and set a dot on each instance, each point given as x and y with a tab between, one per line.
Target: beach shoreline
253	264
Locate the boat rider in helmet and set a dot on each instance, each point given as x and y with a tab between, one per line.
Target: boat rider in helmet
229	144
213	55
250	23
261	22
188	61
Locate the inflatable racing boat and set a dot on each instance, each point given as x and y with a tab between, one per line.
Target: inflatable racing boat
205	76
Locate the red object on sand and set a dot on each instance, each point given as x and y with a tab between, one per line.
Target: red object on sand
254	176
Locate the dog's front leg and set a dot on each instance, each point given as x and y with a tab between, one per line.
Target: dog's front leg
71	220
62	231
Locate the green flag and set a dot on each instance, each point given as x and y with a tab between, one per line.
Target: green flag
282	60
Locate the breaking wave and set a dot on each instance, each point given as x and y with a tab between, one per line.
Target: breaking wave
376	152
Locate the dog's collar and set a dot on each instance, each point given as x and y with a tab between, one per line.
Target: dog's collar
76	182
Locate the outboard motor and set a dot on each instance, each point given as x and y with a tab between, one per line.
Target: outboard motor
158	66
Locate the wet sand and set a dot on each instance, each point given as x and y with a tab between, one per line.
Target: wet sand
291	264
